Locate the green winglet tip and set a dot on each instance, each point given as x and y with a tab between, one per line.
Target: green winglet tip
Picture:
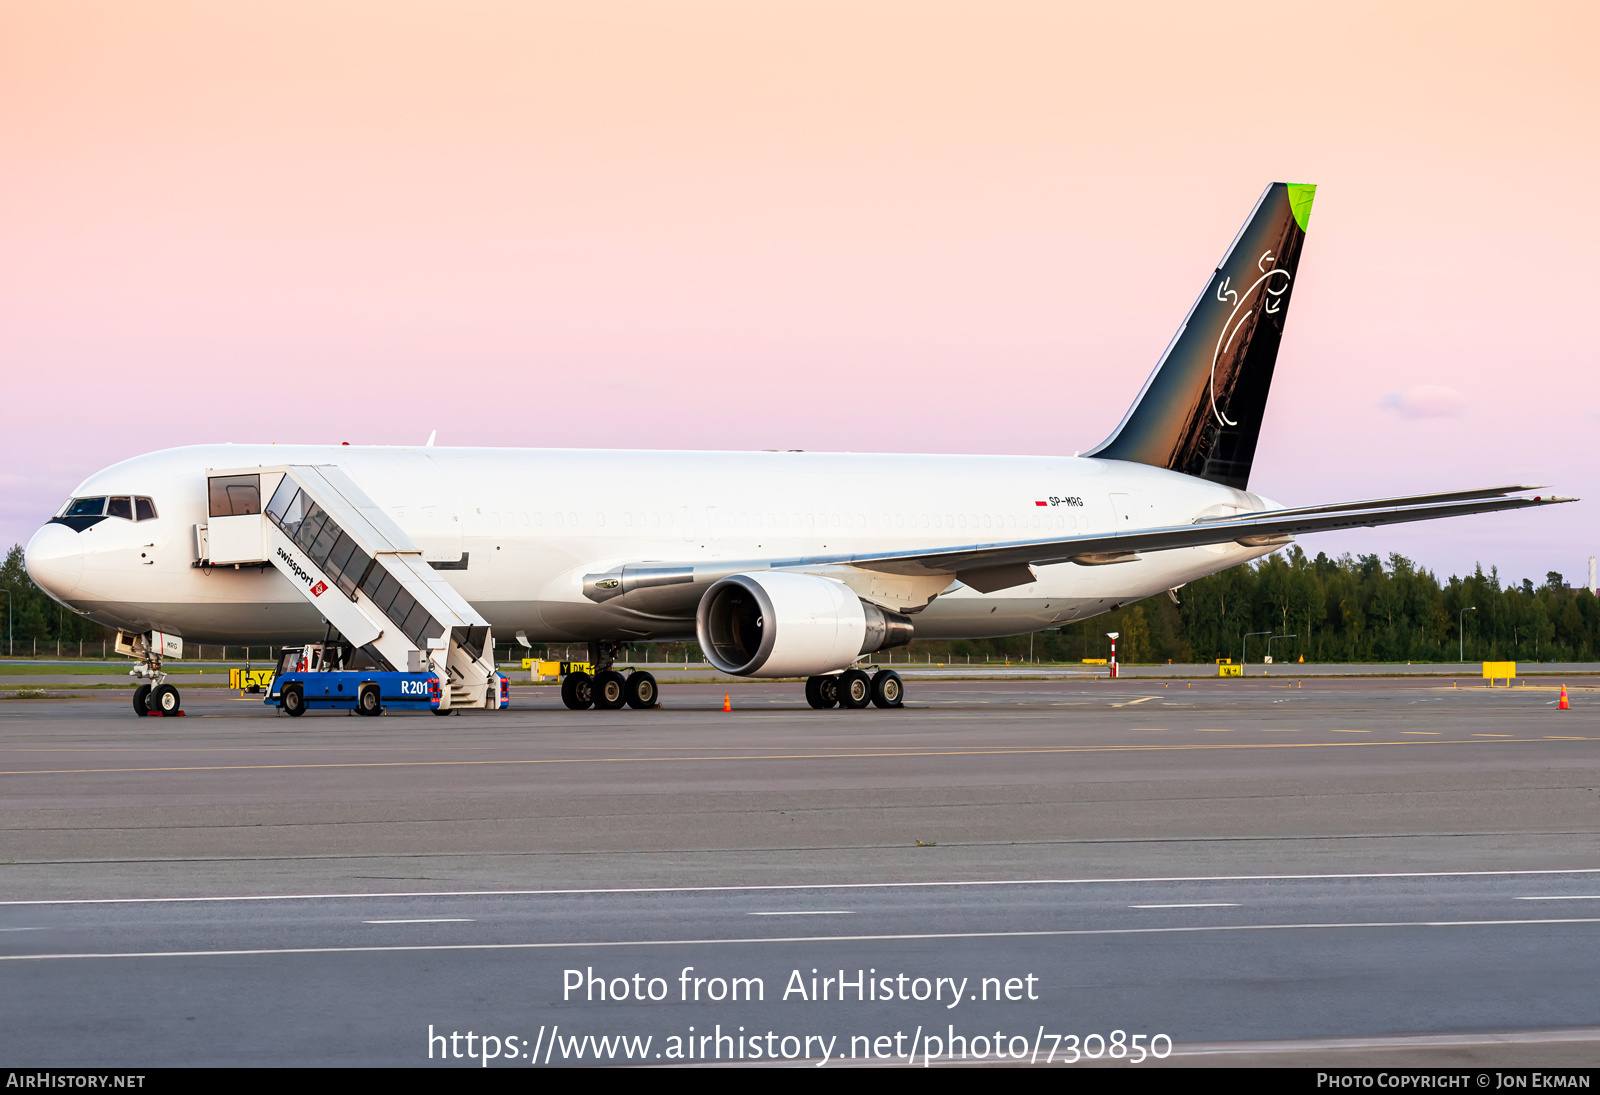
1301	195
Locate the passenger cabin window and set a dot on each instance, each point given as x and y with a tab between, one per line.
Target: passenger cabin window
144	509
121	507
86	507
235	495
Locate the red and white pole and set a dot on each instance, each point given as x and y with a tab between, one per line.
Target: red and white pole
1113	636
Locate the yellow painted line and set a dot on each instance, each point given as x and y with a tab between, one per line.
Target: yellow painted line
781	756
1553	737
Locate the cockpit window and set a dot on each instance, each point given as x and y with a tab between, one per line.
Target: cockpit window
121	507
234	495
86	507
144	509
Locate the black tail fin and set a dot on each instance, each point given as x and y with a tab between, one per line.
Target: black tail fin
1200	411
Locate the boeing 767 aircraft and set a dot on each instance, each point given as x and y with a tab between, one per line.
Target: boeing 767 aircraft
781	564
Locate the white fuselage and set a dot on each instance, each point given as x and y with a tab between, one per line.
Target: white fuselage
529	524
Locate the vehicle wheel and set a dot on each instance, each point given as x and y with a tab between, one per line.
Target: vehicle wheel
294	701
141	700
610	690
444	711
371	702
887	689
577	691
640	691
822	692
164	700
855	689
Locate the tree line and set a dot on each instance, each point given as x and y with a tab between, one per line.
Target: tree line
1349	609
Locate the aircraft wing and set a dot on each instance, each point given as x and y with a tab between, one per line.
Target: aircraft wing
989	567
668	588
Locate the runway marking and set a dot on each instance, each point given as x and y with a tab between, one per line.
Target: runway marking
1130	703
1405	1041
901	937
1063	749
428	920
808	912
785	886
1565	897
1192	905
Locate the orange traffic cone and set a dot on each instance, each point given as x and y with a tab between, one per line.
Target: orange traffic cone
1563	705
727	701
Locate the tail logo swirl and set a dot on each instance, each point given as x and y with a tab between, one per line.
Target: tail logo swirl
1267	264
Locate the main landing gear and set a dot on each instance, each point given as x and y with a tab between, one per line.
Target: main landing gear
607	689
856	689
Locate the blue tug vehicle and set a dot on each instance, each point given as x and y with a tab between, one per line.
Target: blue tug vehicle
316	678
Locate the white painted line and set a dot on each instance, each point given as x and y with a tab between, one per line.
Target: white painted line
1565	897
809	912
24	929
918	937
430	920
807	886
1411	1041
1192	905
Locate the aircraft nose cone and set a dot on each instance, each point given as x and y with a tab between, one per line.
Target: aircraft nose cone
54	560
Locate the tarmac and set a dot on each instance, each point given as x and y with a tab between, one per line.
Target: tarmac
1301	871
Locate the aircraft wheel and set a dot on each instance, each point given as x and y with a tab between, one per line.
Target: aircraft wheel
640	691
577	691
610	690
164	700
822	692
141	700
887	689
293	700
371	702
855	689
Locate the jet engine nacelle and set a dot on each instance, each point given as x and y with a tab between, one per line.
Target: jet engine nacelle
776	624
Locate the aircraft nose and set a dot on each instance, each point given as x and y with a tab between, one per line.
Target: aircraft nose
54	560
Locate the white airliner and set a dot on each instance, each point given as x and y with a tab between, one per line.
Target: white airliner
781	564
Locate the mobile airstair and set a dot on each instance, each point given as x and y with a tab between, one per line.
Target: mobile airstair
357	568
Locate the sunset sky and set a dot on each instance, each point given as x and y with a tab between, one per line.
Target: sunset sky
868	226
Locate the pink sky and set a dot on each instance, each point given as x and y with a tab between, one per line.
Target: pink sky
905	227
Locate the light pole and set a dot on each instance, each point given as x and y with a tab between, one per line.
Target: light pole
1461	633
1245	645
1269	643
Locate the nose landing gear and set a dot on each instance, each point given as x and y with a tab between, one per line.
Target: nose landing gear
155	697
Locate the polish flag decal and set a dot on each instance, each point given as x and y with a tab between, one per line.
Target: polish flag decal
1041	503
319	589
